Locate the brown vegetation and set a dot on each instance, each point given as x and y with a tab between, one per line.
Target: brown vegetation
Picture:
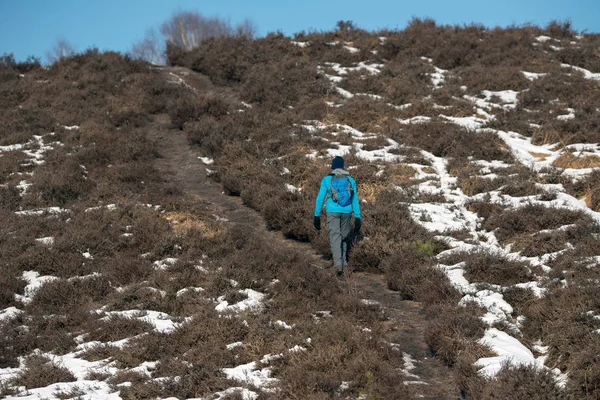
123	218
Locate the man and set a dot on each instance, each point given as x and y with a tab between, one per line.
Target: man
338	191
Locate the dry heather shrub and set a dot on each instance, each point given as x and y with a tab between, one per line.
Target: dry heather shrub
98	232
204	339
538	244
582	55
212	134
560	29
569	88
10	284
191	108
364	172
228	59
100	351
564	320
198	381
40	371
116	327
60	296
316	286
494	268
24	122
530	219
11	162
343	353
370	191
522	382
592	191
412	274
282	84
362	113
102	145
10	198
61	181
584	376
140	296
406	82
201	342
158	92
361	82
196	244
387	224
453	46
521	188
450	140
581	129
48	333
398	174
77	88
453	333
519	298
472	185
291	214
482	77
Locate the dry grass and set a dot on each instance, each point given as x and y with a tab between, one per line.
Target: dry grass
570	160
539	156
369	191
184	222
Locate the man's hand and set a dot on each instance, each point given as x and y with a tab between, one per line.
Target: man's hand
317	223
356	225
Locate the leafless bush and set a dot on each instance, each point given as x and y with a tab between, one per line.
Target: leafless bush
276	86
493	268
188	109
519	298
454	333
449	140
388	226
563	319
61	49
349	358
40	371
560	29
538	244
66	296
186	29
61	183
530	219
486	77
522	383
362	113
414	277
115	327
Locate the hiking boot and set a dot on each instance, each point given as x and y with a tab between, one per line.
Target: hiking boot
339	272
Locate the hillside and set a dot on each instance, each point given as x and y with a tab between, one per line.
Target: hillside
157	236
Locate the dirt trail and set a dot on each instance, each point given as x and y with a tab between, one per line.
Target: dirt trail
407	321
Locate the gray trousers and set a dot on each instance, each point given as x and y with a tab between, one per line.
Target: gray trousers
338	226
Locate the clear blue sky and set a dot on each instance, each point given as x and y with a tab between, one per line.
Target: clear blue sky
32	27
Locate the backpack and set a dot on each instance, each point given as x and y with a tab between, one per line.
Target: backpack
341	190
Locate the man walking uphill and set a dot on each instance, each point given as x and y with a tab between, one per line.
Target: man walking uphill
338	191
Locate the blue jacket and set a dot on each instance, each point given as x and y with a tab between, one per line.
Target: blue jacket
330	205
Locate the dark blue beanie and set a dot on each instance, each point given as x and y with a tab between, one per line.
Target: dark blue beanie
338	162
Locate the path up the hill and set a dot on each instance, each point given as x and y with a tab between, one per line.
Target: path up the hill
407	321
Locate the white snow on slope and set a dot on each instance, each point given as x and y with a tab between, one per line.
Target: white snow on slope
510	352
254	302
586	73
